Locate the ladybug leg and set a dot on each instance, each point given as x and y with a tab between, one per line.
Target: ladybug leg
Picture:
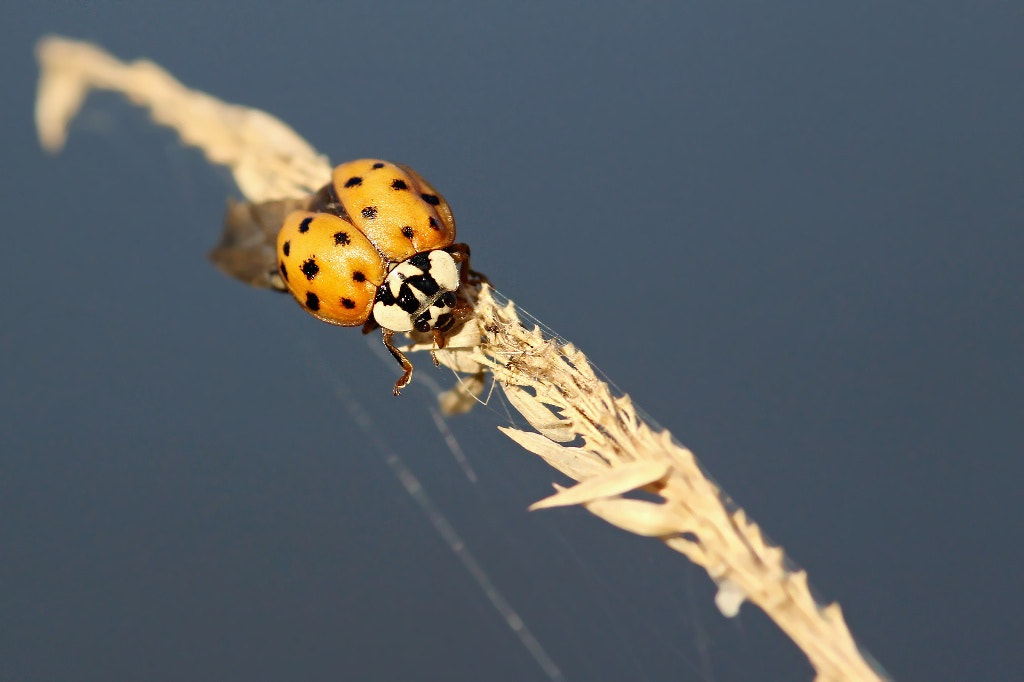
439	341
406	377
370	326
460	252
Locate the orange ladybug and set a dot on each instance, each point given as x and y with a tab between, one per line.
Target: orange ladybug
374	247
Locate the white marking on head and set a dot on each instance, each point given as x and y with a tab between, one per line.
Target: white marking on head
443	270
392	317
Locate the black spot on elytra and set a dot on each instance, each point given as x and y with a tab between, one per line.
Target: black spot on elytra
348	303
398	183
358	276
370	212
286	248
310	268
378	165
312	301
433	224
407	232
341	239
284	272
431	199
354	181
304	225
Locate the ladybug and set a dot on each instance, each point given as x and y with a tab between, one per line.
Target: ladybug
374	247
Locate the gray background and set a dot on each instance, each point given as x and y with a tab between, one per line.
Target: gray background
791	233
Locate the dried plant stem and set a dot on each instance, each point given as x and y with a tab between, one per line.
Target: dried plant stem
615	453
268	159
581	428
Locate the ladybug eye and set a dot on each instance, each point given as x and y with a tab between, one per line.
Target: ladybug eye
422	326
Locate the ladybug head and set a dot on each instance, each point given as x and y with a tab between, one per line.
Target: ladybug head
418	294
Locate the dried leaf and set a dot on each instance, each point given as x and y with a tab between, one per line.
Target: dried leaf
576	463
539	415
649	519
462	397
729	598
622	479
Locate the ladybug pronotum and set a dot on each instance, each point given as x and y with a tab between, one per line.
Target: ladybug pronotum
374	247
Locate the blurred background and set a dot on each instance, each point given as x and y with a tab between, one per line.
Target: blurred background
791	233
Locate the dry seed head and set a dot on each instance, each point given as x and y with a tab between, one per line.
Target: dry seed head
554	386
